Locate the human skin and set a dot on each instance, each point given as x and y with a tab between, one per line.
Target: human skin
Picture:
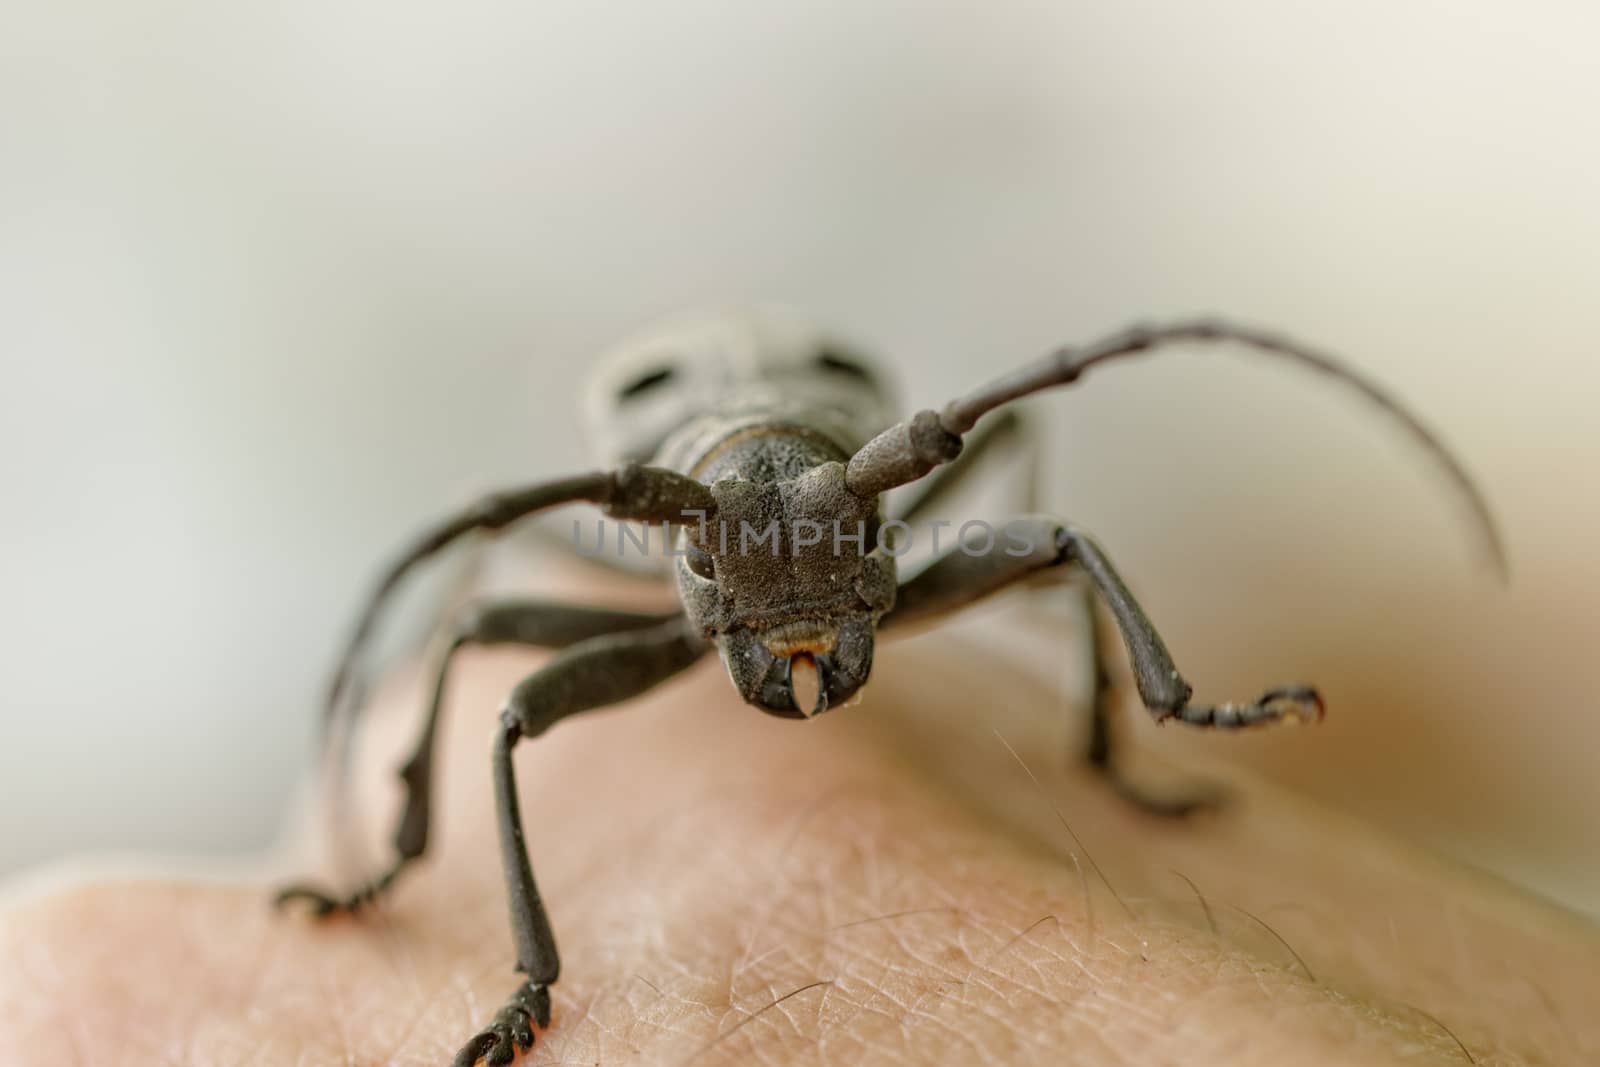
887	884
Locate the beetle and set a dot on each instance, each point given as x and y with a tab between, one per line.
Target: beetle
728	424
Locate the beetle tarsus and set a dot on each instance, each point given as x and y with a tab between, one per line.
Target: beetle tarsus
325	905
512	1030
1288	703
1306	703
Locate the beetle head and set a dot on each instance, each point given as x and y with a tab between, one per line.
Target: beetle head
785	577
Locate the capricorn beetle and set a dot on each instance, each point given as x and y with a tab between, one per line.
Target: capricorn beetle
734	423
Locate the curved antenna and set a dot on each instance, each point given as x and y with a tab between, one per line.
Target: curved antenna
912	448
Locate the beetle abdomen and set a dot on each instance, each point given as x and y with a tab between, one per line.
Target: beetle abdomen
736	368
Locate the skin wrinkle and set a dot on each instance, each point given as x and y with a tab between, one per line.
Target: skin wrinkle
400	949
847	981
1039	969
880	981
404	1037
1002	1006
873	991
1058	957
695	813
626	1018
765	921
854	950
858	856
617	1029
985	967
1127	1007
915	975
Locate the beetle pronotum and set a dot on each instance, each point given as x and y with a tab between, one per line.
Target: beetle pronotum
745	422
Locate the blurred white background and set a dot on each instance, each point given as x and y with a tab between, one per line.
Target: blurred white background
279	282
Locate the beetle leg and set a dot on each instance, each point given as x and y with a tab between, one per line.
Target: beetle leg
648	494
594	673
1034	545
960	576
533	623
1161	687
1103	745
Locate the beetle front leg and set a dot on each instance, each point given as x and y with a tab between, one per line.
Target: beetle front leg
1161	687
595	673
1036	545
1103	744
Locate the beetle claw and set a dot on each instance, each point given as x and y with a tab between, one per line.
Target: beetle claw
1298	702
512	1029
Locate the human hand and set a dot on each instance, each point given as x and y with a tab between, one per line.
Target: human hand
883	885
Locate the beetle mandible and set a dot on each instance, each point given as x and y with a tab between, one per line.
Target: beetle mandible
746	422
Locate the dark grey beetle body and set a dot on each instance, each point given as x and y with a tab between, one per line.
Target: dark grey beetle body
754	422
766	411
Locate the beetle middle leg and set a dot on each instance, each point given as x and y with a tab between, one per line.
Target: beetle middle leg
1033	545
530	623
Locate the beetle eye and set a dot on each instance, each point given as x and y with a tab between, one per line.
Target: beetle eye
699	561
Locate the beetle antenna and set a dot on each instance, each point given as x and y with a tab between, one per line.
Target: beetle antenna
910	449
